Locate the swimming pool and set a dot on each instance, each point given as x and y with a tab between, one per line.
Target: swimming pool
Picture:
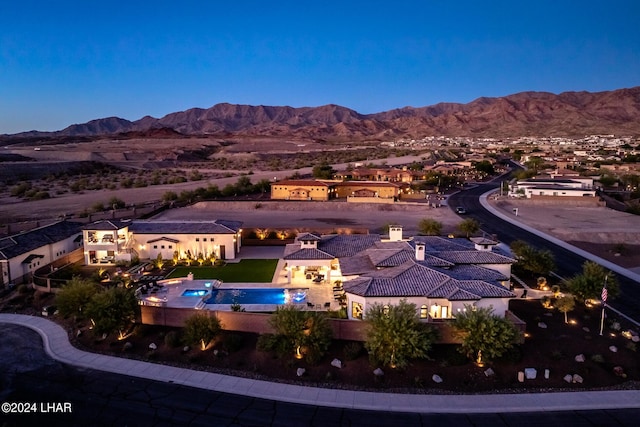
257	296
194	292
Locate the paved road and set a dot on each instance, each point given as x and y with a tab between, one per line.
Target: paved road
101	399
568	263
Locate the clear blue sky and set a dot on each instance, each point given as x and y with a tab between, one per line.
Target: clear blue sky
65	62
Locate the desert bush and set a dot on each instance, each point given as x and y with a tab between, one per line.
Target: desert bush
597	358
352	350
172	339
632	346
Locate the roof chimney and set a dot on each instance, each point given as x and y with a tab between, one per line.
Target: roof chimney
395	233
420	251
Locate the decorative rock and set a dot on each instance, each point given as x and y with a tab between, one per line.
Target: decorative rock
635	338
153	346
127	346
568	378
186	349
489	372
336	363
436	378
378	372
613	349
520	376
586	329
530	373
579	358
577	379
548	314
78	333
300	372
546	374
215	352
619	371
542	325
104	336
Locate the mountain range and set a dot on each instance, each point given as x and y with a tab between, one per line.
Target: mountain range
521	114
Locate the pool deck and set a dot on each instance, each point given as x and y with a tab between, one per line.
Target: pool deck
171	290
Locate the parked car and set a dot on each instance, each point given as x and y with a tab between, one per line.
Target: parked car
460	210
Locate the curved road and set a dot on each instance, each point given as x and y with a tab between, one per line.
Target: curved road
568	263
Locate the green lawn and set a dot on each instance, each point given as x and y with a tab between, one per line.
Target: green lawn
247	270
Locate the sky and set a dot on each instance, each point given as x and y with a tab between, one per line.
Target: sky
66	62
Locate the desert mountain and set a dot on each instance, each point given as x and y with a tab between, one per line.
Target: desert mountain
526	113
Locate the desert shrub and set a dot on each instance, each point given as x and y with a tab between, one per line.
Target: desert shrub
352	350
557	355
313	355
233	342
172	339
270	343
23	289
597	358
631	346
453	357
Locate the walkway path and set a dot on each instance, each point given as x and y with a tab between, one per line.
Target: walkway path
57	346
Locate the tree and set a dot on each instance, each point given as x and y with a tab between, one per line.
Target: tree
116	203
485	166
323	171
159	261
201	329
484	335
113	310
306	333
75	295
589	284
539	262
565	304
430	227
395	334
469	226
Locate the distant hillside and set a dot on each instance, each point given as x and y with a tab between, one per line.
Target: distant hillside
526	113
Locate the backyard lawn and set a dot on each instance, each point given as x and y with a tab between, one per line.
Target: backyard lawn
247	270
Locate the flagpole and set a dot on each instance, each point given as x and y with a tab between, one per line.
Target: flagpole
603	297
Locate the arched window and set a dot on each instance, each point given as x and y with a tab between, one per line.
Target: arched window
424	312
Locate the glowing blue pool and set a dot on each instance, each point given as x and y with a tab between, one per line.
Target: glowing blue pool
257	296
194	292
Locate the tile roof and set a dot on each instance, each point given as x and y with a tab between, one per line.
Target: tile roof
185	227
28	241
343	245
106	225
308	237
474	257
309	254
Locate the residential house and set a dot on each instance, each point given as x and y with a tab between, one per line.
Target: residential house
107	242
23	253
441	276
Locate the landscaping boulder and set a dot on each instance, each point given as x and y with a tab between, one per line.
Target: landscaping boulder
436	378
378	372
300	372
542	325
489	372
635	338
530	373
546	374
336	363
153	346
613	349
579	358
127	346
568	378
520	376
586	329
186	349
577	379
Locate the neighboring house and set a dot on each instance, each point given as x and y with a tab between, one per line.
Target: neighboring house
21	254
107	242
439	275
368	189
534	187
302	189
